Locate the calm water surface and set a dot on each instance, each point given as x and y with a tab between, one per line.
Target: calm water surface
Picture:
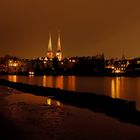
116	87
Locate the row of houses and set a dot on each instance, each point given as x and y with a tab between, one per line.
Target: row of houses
71	65
124	66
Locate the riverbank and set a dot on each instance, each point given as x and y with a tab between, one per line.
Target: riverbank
121	109
125	74
27	116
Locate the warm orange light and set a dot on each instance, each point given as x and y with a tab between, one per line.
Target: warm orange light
31	73
48	81
117	71
12	78
58	103
12	63
71	83
44	81
59	82
15	64
112	88
115	87
118	87
73	61
46	59
49	101
45	62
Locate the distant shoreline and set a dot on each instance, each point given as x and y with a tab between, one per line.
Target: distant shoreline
83	75
118	108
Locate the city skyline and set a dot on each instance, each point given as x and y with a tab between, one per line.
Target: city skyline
87	27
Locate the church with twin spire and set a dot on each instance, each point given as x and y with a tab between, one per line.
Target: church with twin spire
50	53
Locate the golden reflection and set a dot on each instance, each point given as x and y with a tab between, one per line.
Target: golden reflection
44	81
118	80
71	83
47	81
53	102
59	82
58	103
112	88
12	78
115	87
49	101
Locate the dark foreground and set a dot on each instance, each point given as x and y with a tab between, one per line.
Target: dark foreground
25	116
117	108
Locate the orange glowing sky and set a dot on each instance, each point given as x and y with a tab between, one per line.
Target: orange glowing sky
87	27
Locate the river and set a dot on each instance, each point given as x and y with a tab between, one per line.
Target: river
115	87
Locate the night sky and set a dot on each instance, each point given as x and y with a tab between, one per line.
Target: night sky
87	27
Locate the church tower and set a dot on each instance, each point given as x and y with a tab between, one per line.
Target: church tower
50	51
59	51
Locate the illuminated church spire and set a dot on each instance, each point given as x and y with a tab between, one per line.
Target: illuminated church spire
58	44
59	51
50	44
50	52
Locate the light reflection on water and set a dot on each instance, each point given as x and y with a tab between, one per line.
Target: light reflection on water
116	87
53	102
59	82
32	99
47	81
71	83
12	78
